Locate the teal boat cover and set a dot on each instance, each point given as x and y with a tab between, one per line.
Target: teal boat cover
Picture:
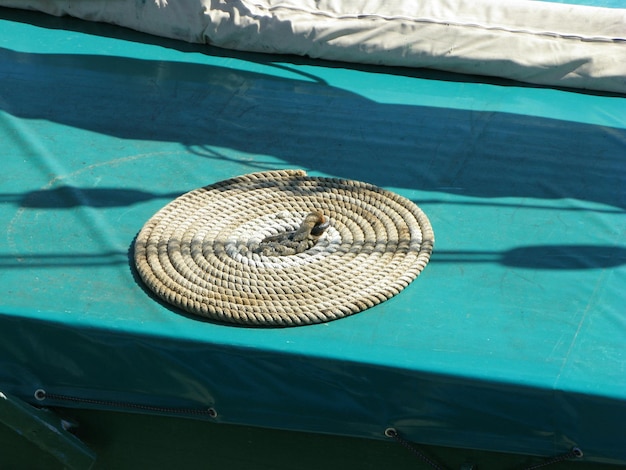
512	339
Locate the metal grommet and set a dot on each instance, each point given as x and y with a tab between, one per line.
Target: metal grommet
391	432
40	394
212	412
578	453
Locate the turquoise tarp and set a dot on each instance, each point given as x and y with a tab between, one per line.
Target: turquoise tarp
513	338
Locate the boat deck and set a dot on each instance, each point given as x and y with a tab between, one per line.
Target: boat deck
511	340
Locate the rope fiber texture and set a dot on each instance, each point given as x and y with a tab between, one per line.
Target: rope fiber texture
215	251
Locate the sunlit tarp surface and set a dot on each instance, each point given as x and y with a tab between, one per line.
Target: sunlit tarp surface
513	338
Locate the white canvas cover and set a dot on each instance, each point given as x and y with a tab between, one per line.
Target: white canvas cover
537	42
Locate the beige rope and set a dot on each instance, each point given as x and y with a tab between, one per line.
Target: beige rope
207	251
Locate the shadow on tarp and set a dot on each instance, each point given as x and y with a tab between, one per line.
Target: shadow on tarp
556	257
276	389
68	196
308	123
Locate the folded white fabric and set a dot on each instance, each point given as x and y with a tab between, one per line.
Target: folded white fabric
531	41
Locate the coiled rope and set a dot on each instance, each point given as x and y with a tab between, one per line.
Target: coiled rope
223	251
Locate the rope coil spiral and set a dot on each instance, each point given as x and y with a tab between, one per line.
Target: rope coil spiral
223	251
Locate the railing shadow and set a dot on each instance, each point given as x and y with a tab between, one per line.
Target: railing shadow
309	123
542	257
68	196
